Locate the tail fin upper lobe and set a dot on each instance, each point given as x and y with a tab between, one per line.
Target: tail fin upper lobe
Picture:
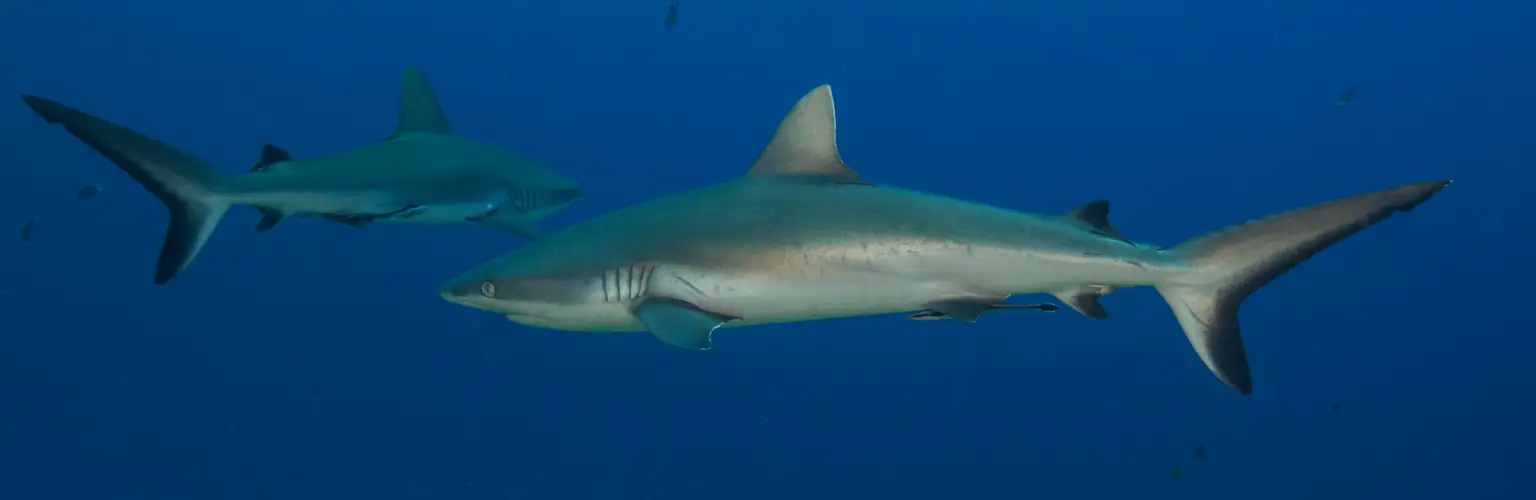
1229	264
188	186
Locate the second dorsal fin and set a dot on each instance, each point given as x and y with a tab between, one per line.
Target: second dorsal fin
419	111
270	155
1096	215
806	143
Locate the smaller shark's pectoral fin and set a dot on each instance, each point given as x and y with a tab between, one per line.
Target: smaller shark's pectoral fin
1086	300
680	324
971	308
350	220
362	220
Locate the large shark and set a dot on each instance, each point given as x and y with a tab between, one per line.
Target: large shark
803	237
422	173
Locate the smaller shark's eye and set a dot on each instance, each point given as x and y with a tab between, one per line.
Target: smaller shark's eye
488	289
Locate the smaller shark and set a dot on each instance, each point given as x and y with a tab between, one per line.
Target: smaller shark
422	173
804	237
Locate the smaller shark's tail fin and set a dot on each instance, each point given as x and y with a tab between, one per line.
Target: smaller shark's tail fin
188	186
1229	264
270	155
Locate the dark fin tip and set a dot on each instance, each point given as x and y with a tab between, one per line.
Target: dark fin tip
270	155
1096	215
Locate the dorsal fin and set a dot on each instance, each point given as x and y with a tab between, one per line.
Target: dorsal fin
270	155
1096	215
806	143
419	111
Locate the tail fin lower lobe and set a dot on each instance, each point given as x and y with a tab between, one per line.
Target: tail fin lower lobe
1229	264
187	186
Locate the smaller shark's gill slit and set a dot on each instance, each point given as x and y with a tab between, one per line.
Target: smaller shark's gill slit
607	296
621	284
630	282
518	198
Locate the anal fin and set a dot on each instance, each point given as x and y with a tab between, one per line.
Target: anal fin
679	324
270	218
1086	300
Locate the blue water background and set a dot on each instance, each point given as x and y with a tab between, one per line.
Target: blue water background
316	361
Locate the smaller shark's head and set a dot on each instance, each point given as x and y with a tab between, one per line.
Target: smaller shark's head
533	190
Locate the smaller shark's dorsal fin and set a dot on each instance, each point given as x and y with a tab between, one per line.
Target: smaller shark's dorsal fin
419	111
270	155
1096	215
806	143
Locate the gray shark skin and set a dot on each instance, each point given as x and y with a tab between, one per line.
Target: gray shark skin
422	173
802	237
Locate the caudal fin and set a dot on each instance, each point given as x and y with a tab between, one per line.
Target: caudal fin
188	186
1229	264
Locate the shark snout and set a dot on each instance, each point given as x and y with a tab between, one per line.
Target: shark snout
462	291
513	294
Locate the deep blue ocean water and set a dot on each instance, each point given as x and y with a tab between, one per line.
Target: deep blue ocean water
317	362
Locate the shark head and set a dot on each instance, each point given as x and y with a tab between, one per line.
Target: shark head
522	187
543	301
506	185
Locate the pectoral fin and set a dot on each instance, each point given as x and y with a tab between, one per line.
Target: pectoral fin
680	324
356	222
968	309
362	220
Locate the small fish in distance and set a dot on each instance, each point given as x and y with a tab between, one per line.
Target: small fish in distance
26	231
87	192
1345	97
672	14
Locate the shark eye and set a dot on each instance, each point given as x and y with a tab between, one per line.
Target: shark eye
488	289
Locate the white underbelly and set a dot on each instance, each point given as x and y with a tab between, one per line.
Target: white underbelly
767	299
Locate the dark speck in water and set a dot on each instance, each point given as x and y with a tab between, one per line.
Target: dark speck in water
87	192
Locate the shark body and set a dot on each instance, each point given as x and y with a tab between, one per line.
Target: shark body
422	173
803	237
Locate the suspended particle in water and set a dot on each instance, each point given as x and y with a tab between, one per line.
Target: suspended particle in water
87	192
